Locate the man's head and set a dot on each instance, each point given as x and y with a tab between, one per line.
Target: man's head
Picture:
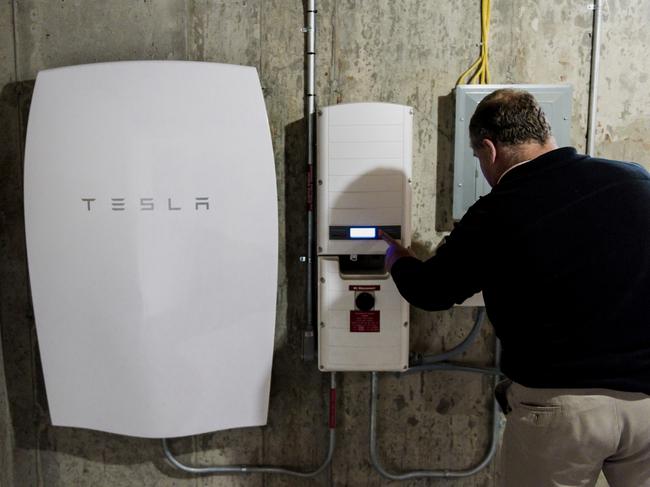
508	127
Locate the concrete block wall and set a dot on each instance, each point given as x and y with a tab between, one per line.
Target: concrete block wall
402	51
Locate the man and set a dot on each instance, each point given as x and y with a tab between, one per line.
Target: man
561	250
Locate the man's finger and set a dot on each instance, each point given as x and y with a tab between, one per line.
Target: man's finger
387	238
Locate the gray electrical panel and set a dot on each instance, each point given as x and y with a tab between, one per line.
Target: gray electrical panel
469	183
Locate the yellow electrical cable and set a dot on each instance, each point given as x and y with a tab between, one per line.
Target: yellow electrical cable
480	66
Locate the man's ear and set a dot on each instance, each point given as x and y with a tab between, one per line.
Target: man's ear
490	149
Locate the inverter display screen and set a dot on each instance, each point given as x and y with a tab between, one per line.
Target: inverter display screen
363	232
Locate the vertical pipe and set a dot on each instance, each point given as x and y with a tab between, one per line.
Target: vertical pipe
308	346
593	84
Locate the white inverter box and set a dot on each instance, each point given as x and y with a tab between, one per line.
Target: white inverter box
364	188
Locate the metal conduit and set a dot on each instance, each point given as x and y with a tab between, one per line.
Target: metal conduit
452	366
247	469
309	338
595	69
460	348
496	423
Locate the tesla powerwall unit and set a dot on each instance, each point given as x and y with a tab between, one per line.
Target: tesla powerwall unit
364	187
150	210
469	183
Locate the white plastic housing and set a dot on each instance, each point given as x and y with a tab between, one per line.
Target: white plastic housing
151	219
364	173
364	182
341	347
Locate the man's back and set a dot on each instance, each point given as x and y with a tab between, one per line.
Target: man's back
567	273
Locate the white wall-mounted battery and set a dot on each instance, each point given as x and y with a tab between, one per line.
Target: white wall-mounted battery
153	303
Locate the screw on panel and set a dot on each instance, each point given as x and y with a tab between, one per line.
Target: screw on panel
320	182
406	323
322	279
322	367
322	325
320	113
320	249
460	185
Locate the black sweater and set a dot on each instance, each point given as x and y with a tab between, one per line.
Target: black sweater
561	250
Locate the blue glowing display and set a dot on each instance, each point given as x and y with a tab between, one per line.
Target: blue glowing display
363	232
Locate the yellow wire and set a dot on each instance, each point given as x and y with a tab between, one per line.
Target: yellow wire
480	69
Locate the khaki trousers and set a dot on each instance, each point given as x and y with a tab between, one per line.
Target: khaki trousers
564	437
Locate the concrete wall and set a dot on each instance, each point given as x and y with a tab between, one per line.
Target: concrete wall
402	51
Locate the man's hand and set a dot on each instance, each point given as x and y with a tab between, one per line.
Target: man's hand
394	252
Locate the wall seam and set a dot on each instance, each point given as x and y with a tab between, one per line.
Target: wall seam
333	73
511	66
14	7
260	24
190	9
18	84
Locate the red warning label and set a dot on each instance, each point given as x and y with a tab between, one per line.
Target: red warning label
364	321
364	288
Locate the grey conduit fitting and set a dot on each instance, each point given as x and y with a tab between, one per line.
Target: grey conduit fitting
460	348
248	469
447	474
